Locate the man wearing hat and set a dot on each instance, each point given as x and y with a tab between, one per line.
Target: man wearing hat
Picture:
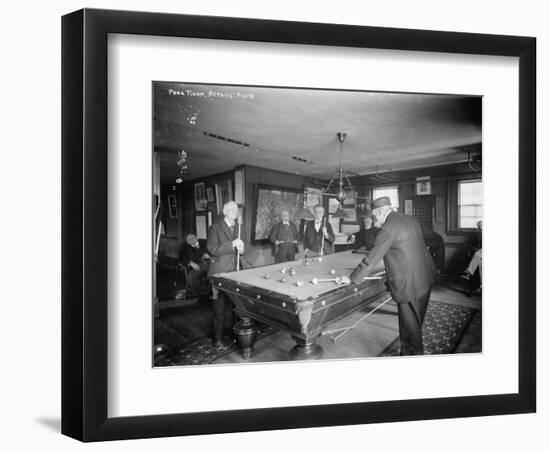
410	270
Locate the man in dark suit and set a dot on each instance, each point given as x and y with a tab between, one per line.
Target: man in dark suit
284	236
364	238
196	260
318	233
225	247
410	270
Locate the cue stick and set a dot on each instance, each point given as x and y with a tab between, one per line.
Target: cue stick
345	330
238	237
158	239
323	237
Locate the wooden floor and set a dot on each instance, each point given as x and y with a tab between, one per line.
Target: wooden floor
183	322
370	337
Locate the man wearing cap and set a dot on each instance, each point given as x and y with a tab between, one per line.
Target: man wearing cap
410	270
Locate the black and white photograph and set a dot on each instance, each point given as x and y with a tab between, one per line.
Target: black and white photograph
357	231
373	151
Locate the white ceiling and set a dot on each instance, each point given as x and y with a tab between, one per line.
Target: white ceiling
385	131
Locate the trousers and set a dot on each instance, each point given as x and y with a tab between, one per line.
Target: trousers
411	318
285	253
220	305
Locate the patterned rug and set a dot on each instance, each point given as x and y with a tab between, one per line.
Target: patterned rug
202	351
443	328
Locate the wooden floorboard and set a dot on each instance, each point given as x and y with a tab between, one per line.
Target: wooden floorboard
180	325
371	336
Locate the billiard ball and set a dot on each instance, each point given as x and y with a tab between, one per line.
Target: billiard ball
283	270
267	276
315	281
306	263
292	271
299	283
283	280
320	259
332	271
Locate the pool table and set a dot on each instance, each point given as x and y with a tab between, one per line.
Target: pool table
273	295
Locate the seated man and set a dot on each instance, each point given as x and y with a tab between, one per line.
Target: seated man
196	261
318	235
364	238
284	237
477	258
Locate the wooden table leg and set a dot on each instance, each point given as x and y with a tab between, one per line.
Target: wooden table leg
246	332
305	349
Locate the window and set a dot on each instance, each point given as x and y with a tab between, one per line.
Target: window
470	203
391	192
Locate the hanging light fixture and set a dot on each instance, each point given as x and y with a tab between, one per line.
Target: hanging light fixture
340	214
304	213
182	165
341	175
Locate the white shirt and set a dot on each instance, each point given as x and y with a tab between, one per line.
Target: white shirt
229	224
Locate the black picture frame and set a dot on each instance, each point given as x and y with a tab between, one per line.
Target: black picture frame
265	187
84	224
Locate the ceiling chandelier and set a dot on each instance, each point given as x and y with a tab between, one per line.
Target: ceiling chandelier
182	165
342	190
340	181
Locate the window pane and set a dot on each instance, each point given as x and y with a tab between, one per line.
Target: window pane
470	193
468	222
470	203
391	192
468	211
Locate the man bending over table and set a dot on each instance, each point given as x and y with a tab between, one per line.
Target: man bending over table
410	270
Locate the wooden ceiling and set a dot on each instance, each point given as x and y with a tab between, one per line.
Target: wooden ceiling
294	130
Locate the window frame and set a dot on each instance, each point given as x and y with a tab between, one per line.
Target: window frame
458	184
396	187
452	192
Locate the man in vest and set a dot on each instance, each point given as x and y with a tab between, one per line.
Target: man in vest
284	237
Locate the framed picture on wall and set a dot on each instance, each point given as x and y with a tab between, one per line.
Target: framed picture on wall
172	206
131	398
350	199
201	226
200	197
351	215
423	186
210	195
224	193
239	186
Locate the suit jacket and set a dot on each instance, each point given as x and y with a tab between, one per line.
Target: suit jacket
312	238
365	238
410	269
223	257
188	254
277	232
